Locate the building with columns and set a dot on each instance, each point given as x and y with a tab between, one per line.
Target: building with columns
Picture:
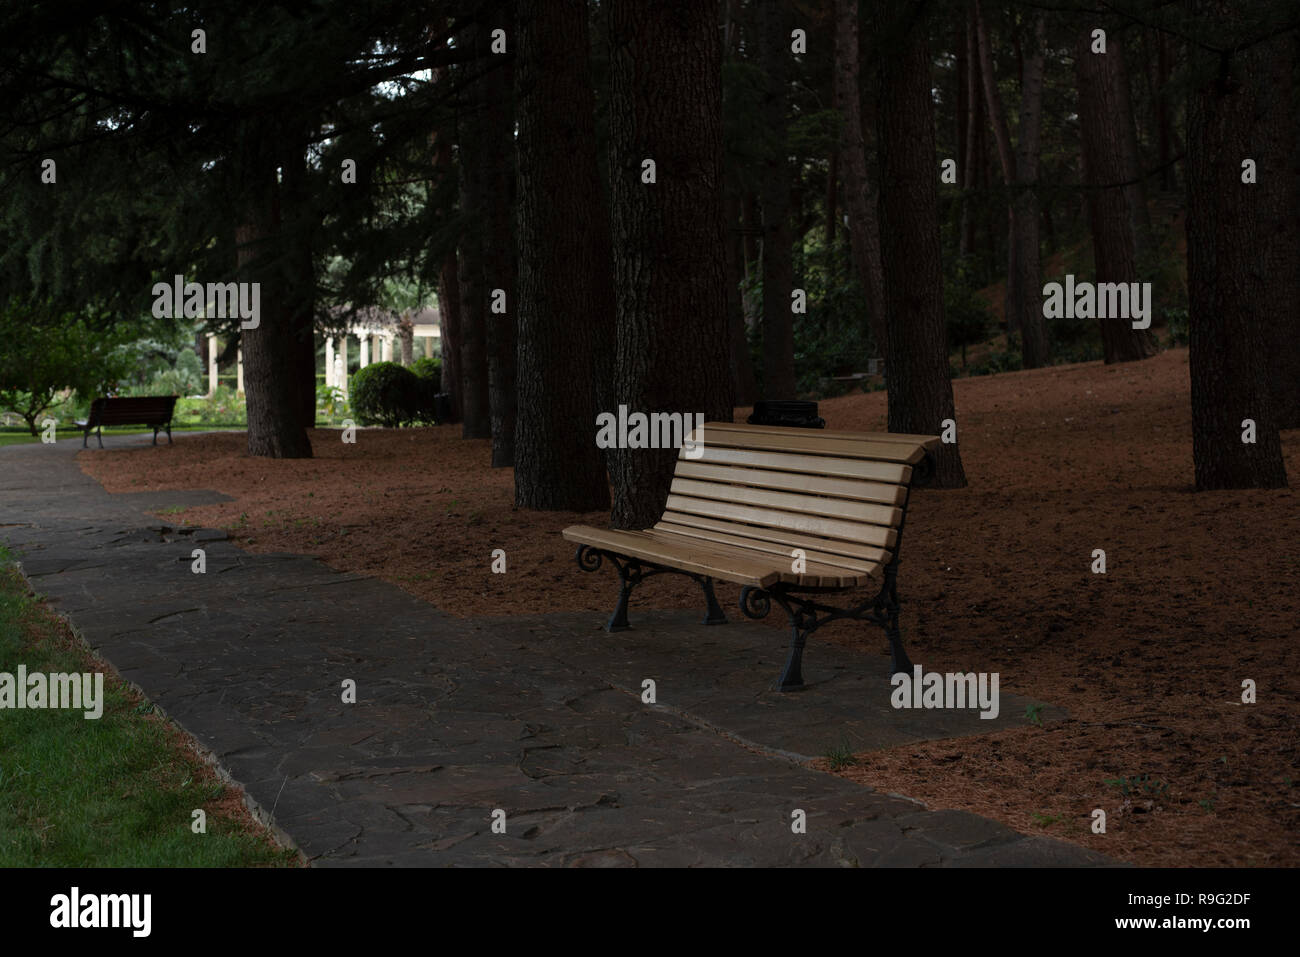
377	337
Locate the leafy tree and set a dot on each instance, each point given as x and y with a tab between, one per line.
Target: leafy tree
55	356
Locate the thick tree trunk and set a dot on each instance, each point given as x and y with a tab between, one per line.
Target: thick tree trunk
665	104
298	300
859	196
778	279
1227	274
274	399
499	252
1280	171
920	392
1114	244
565	272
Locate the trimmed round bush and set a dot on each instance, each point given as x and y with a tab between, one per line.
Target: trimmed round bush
387	394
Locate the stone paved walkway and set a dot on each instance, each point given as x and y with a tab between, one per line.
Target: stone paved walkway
539	716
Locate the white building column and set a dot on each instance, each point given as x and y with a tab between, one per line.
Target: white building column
329	361
388	348
365	348
341	377
212	365
428	347
239	370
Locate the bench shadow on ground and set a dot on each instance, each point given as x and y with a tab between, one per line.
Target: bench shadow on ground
721	677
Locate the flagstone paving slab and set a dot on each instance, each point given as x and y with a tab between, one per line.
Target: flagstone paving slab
537	716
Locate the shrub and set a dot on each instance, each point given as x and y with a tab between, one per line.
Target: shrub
387	394
224	407
428	372
428	368
968	317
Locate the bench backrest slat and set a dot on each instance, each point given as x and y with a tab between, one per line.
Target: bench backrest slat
838	496
877	447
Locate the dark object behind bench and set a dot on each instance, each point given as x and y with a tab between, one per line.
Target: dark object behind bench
152	410
792	413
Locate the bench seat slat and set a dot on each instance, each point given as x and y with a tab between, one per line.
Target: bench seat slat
741	566
790	502
777	536
907	453
876	535
856	490
815	572
888	473
701	560
812	555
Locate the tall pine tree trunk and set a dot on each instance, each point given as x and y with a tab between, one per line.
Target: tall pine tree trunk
859	196
298	303
1029	273
499	252
565	271
449	340
742	367
920	392
1226	271
778	322
1006	158
476	421
273	399
666	105
1280	170
1114	244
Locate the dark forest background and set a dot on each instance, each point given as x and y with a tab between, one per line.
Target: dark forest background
685	205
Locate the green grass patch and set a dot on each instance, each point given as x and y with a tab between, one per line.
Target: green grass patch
114	792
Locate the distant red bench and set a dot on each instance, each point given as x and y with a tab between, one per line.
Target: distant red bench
150	410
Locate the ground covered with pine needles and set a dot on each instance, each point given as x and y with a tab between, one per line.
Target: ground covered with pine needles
1148	659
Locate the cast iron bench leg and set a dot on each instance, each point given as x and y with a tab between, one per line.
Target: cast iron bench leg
792	676
618	620
713	611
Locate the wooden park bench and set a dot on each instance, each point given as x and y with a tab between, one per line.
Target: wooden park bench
739	512
152	410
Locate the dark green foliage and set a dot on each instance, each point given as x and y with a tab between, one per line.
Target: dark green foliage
42	358
387	394
429	373
427	368
968	317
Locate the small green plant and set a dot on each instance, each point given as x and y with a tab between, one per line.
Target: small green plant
1139	784
1034	713
1207	805
840	755
1045	820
